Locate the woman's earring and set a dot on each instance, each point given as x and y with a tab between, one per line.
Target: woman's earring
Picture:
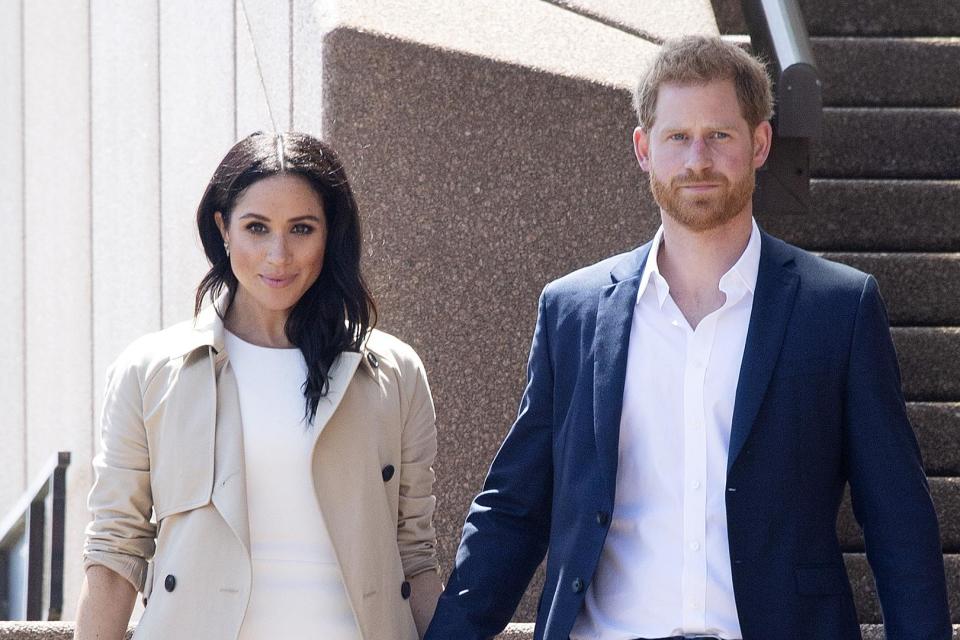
226	247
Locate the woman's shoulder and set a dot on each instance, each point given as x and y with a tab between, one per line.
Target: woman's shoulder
392	351
157	350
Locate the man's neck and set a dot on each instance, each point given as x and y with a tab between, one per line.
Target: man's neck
692	262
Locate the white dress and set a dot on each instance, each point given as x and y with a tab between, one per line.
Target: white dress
297	589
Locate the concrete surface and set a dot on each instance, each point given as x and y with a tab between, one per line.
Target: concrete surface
890	143
919	288
873	215
929	361
859	71
937	426
649	20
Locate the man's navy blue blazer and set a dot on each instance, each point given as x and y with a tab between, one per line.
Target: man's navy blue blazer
818	405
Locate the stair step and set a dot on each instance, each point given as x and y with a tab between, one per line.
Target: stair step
929	362
524	631
882	17
937	426
869	631
888	143
859	17
946	498
874	215
865	592
894	72
918	288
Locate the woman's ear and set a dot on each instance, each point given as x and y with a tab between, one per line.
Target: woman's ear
218	218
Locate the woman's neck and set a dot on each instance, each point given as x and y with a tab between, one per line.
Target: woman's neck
255	324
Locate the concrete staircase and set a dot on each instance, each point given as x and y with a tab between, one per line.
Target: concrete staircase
886	199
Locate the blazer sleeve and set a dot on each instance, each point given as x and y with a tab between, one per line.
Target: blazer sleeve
889	491
121	536
416	536
506	532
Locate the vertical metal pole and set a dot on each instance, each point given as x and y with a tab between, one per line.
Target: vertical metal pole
35	526
58	519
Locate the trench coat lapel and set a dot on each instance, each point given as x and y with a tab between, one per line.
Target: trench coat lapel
229	484
340	374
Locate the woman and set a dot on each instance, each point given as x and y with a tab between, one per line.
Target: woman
283	446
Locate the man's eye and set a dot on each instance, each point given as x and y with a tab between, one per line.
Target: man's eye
302	229
257	227
720	135
678	137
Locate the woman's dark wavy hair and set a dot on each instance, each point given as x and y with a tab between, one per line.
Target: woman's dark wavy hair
337	311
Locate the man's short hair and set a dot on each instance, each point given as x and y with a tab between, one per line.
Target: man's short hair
703	59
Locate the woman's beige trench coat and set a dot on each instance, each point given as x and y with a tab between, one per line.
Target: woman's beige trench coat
173	445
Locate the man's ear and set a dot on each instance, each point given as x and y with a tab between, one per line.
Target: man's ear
218	218
762	139
641	147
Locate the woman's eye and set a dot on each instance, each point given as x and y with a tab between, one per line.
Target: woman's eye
257	227
302	229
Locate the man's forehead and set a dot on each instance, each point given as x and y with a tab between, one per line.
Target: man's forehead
679	104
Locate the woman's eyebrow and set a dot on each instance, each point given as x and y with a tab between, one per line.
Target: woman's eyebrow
257	216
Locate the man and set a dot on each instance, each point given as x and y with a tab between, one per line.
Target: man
693	412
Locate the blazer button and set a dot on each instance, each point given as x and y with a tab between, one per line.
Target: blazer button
387	472
170	583
577	585
405	590
603	518
372	359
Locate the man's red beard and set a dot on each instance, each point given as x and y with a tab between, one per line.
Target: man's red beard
702	212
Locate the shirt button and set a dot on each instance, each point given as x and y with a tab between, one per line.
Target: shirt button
695	546
695	484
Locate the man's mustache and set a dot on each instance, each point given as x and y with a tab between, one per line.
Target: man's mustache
693	177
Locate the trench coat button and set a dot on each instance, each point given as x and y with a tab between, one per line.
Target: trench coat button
372	359
170	583
603	518
577	585
405	590
387	472
144	602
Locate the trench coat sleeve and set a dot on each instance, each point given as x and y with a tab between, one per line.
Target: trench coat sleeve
121	536
416	537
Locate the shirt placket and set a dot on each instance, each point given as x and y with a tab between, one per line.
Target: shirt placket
694	578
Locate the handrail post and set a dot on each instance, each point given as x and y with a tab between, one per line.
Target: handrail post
778	33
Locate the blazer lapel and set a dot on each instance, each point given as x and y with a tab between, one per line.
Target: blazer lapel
772	307
612	335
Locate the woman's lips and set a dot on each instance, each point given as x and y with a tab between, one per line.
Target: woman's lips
276	282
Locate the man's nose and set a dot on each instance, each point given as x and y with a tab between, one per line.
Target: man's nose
698	155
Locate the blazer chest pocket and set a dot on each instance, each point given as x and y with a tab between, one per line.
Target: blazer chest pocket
821	580
181	436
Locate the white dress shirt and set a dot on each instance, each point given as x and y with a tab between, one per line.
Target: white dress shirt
298	589
665	566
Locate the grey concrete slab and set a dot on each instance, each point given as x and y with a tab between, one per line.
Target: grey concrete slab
13	478
478	182
306	48
270	25
895	72
125	180
873	215
197	111
859	17
918	288
649	20
876	632
888	143
937	427
929	362
530	33
865	591
946	499
58	254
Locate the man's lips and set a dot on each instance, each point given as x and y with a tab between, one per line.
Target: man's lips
699	186
276	282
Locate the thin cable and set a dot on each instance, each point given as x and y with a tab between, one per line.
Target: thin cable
256	57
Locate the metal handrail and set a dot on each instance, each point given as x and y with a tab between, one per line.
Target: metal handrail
779	34
26	523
